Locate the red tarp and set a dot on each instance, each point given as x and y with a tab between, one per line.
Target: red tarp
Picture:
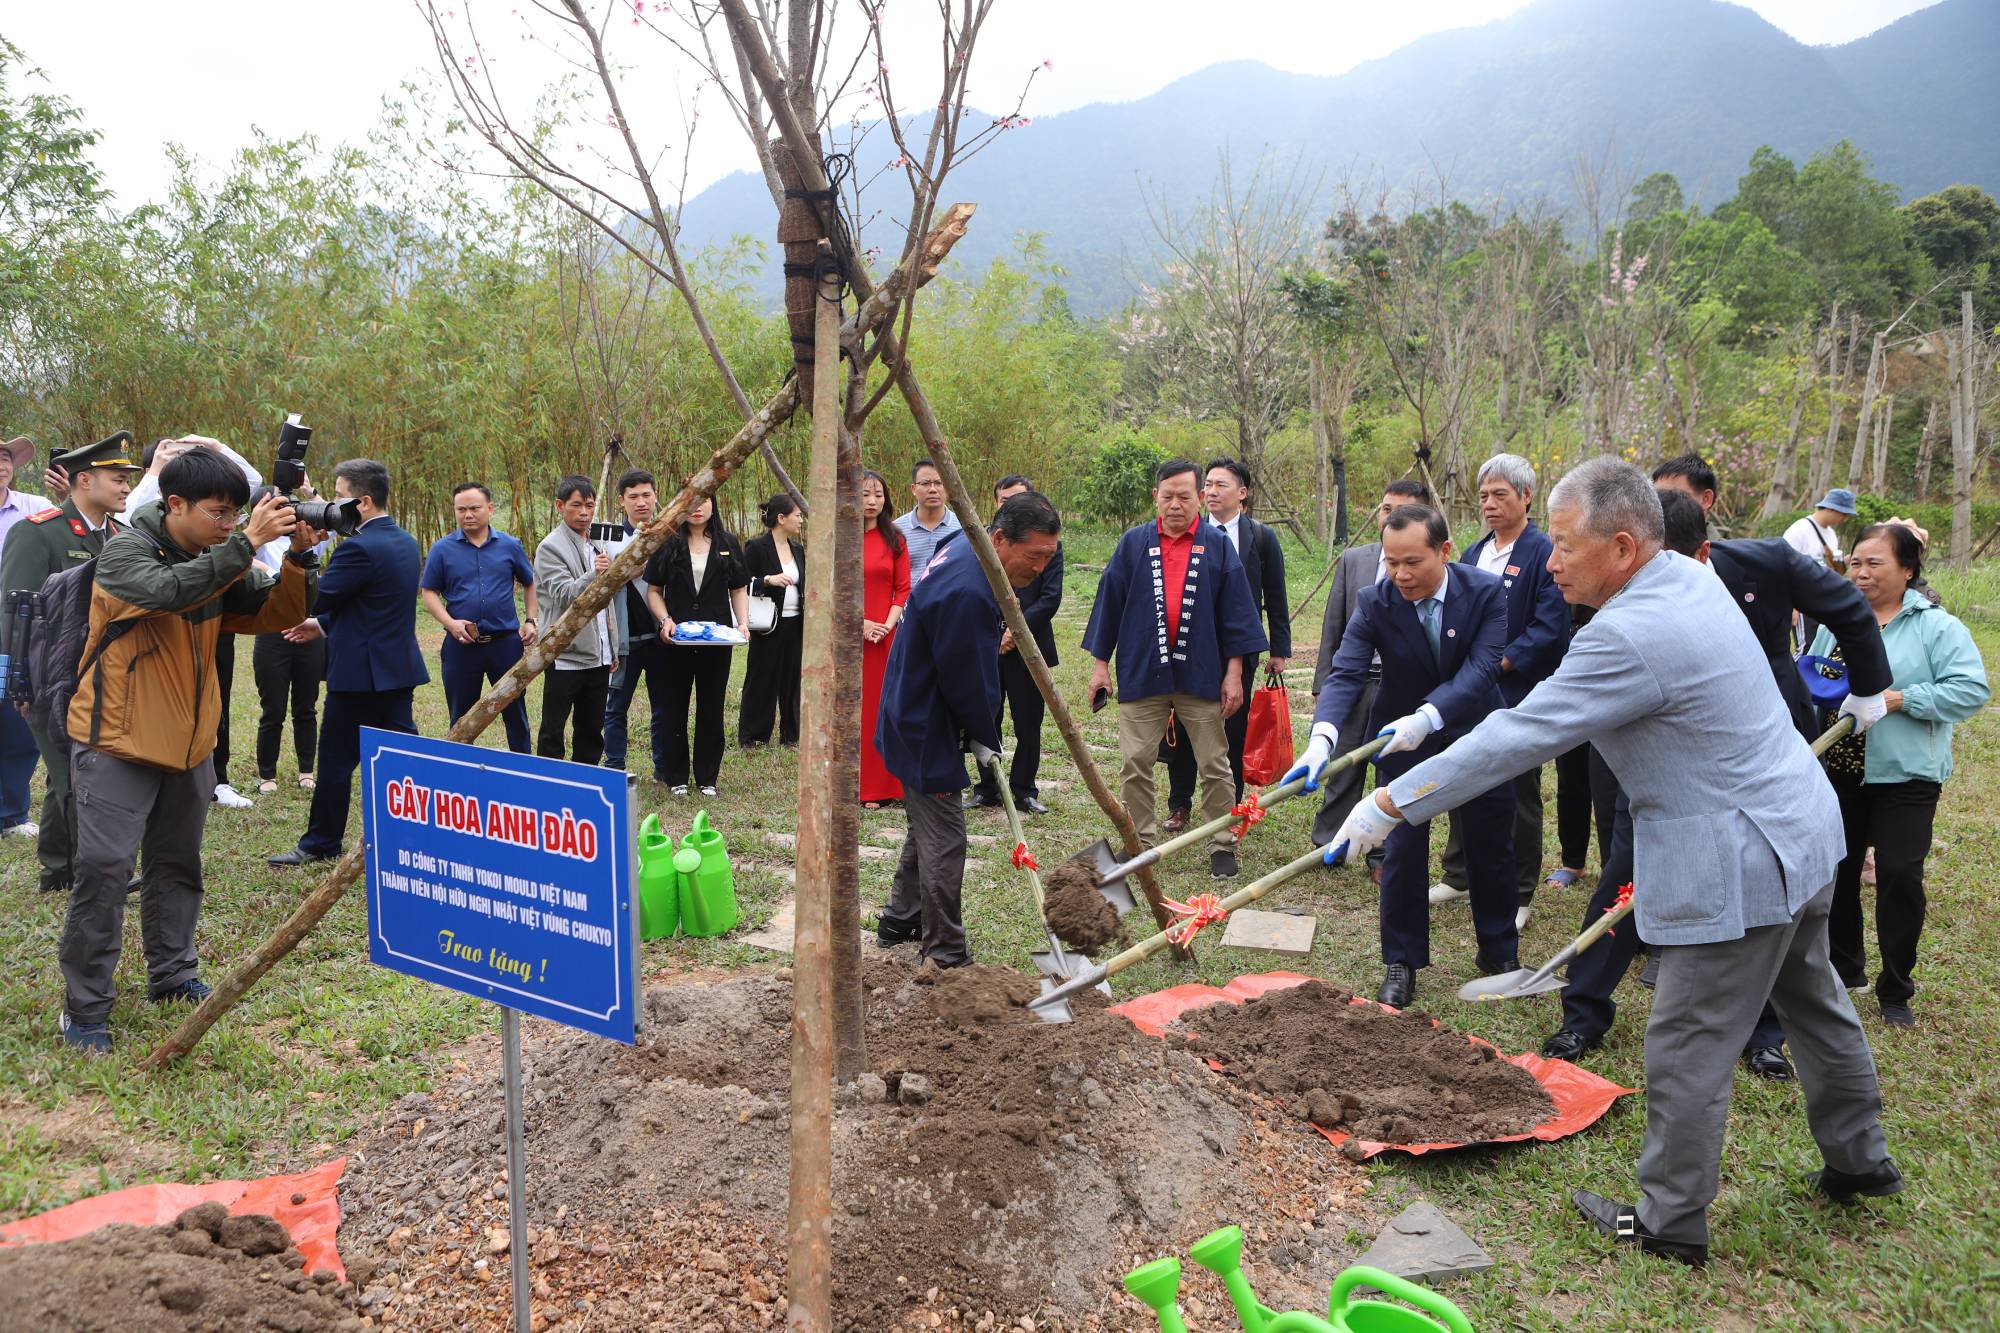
1580	1096
311	1222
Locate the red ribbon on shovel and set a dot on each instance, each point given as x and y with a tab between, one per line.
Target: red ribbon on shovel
1201	910
1248	810
1023	861
1624	897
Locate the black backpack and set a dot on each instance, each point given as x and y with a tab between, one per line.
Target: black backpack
55	653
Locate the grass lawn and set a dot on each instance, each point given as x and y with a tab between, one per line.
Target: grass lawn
327	1041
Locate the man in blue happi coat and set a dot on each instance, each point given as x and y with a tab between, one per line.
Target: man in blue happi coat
1174	607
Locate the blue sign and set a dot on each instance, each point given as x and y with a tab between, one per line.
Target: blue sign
505	876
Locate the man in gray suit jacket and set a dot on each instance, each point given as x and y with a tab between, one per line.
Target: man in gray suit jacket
1736	833
1360	568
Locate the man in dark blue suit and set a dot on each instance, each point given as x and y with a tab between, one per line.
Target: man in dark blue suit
1538	620
1440	629
367	609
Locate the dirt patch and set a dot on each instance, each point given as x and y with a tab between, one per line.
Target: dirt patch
1394	1078
987	1167
204	1271
1078	914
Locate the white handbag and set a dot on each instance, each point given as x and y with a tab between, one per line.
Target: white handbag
763	615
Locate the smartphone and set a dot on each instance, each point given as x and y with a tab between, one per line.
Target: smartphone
1099	699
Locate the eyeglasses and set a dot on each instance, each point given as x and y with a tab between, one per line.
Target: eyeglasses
227	518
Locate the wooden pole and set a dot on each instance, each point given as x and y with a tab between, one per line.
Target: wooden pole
627	565
809	1207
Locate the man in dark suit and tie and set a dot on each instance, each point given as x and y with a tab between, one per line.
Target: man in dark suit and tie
1537	632
1040	601
1360	569
367	609
1440	629
1225	490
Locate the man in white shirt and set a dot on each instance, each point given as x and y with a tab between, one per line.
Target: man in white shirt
929	522
579	679
1817	535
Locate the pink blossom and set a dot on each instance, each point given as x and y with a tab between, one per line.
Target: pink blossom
1048	64
885	66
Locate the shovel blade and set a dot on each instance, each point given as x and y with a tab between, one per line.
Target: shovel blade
1063	968
1049	1011
1516	985
1103	861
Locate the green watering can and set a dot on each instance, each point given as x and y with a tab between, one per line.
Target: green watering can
659	882
1221	1252
707	886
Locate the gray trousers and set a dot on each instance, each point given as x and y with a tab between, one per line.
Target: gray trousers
1708	999
121	807
930	874
53	848
1527	839
1340	791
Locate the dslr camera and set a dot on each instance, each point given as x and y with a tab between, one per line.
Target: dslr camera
288	475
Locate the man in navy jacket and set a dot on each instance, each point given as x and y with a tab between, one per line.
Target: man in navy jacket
1440	668
367	609
943	683
1040	601
1537	632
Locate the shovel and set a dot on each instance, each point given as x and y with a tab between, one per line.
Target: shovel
1053	1006
1111	871
1057	961
1522	983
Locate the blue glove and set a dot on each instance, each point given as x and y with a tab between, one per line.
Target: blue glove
1319	752
1336	854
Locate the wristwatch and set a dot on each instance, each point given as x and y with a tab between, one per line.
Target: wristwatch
306	559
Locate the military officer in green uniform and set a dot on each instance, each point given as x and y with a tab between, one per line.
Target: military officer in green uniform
100	476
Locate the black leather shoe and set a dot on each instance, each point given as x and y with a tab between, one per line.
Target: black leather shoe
981	801
295	857
52	886
1649	975
1622	1221
1398	985
1028	805
1769	1062
1491	969
1222	863
1898	1015
889	932
1840	1187
1569	1044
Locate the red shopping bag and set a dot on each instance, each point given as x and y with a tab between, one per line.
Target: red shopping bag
1267	739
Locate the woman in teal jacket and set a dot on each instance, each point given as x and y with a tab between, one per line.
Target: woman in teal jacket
1888	781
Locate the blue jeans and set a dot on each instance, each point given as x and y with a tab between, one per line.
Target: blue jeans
18	754
469	667
645	657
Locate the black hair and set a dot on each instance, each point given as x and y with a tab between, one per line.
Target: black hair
885	522
1236	469
1903	544
1173	467
151	449
1027	512
575	484
923	463
714	526
637	476
479	486
1437	532
1011	479
366	477
776	508
1410	486
203	474
1687	526
1693	467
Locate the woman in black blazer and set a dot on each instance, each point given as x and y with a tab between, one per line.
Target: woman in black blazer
675	592
771	682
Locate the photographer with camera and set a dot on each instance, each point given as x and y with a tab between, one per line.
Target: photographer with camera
167	590
367	611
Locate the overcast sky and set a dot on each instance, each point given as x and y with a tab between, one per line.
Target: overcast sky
145	75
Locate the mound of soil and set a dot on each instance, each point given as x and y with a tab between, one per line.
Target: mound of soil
988	1167
1077	913
204	1271
1394	1078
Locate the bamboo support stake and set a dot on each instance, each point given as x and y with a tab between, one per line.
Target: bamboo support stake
627	565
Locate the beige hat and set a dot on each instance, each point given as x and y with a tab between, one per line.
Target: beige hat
22	449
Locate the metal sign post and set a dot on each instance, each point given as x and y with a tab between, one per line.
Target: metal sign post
510	878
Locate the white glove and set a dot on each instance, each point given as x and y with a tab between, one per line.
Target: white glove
1319	753
1366	827
984	757
1865	709
1410	732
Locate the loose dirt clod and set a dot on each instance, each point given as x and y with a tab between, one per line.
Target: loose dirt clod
1078	914
988	1162
1393	1078
167	1279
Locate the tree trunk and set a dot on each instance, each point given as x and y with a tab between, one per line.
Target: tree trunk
1820	474
1864	420
1927	451
1878	472
1962	362
809	1198
1322	451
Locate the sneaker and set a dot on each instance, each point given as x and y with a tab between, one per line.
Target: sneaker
226	795
27	828
1898	1015
679	789
1222	863
1445	893
92	1038
708	791
1522	917
194	990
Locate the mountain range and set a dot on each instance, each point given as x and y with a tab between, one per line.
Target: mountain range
1502	113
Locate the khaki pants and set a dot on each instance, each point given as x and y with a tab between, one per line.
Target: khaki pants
1141	724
